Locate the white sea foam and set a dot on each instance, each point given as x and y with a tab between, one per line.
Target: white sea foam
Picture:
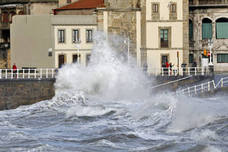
108	76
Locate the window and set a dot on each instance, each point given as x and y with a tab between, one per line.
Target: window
222	58
68	1
61	36
222	28
76	38
206	29
155	8
89	36
190	30
173	8
88	56
76	58
191	58
164	42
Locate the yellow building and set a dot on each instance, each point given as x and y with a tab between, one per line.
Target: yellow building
164	33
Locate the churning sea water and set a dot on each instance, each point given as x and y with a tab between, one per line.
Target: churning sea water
108	106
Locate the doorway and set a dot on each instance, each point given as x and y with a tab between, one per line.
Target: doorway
164	59
61	60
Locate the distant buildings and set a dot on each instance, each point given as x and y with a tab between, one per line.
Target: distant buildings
10	8
160	31
56	40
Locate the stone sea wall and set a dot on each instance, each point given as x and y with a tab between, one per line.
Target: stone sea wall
14	93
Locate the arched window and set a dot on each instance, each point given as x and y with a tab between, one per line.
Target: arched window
206	28
222	28
190	30
5	17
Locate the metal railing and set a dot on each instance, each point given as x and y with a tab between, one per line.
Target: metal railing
187	71
204	87
27	73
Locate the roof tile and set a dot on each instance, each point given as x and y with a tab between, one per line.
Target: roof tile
83	4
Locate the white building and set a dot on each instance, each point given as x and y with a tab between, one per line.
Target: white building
48	41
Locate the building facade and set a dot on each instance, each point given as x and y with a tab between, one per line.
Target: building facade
157	29
164	33
208	20
10	8
57	40
73	40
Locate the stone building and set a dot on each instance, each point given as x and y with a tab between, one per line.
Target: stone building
142	22
208	19
9	8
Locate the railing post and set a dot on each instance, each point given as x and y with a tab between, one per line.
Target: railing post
189	71
6	73
52	73
23	73
168	71
41	73
11	73
0	73
46	73
35	73
195	71
29	73
17	75
208	86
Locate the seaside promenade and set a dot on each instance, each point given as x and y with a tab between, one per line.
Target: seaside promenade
28	86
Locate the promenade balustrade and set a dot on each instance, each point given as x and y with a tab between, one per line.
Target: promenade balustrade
183	71
27	73
203	87
51	72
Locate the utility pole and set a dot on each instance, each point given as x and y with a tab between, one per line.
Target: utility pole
211	66
210	45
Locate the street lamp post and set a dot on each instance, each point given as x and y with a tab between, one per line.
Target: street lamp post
210	44
78	59
211	66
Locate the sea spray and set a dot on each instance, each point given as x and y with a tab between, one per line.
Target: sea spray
107	76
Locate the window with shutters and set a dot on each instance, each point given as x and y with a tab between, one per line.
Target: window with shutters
75	36
222	58
164	38
155	11
222	28
89	35
206	29
61	36
173	11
